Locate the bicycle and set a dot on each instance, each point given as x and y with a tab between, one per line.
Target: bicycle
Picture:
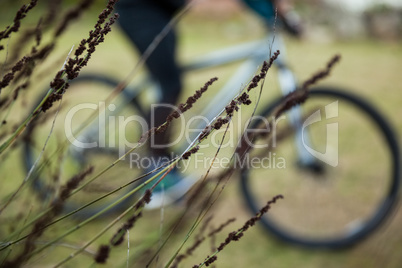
317	169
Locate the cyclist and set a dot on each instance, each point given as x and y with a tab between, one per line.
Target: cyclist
142	20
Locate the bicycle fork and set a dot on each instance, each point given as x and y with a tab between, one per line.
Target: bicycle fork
288	84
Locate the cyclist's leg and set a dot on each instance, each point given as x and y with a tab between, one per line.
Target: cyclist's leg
142	20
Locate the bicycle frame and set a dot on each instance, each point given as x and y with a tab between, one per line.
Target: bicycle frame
252	54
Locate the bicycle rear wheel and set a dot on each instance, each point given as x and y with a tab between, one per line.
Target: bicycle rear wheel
346	192
87	132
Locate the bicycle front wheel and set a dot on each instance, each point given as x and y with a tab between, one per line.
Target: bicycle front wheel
87	132
338	171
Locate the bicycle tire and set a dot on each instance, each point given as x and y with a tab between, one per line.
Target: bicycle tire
40	183
383	208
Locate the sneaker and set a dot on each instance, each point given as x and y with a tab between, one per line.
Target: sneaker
171	189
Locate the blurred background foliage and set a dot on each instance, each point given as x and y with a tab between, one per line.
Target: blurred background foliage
376	19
